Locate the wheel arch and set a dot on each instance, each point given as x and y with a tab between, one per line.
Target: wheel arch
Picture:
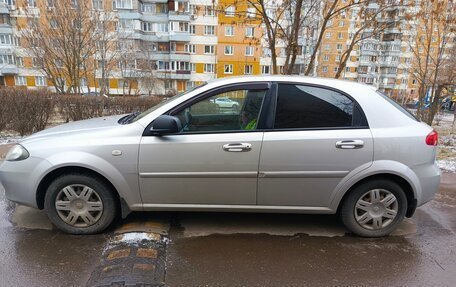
54	174
401	181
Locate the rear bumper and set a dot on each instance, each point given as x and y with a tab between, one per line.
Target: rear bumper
429	177
20	179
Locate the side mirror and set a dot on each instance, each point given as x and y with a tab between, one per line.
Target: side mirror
165	125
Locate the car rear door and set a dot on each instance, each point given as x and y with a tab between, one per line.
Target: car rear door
213	160
317	137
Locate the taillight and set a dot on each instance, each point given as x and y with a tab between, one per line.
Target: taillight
432	138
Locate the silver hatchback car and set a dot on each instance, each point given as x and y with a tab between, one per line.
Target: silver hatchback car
293	144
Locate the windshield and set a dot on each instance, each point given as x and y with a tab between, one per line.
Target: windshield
143	114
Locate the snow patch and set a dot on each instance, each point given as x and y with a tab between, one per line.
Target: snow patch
9	139
134	237
447	165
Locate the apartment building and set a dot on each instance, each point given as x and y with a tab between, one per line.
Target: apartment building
239	39
169	46
178	37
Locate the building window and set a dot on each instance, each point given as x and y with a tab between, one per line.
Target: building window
228	69
209	68
122	4
40	81
209	49
248	69
146	26
229	50
20	61
341	23
190	84
169	84
162	65
97	4
325	69
20	81
192	67
337	58
265	70
209	30
328	35
192	29
249	51
190	48
230	11
251	12
229	31
5	39
31	3
339	47
326	58
249	32
83	82
327	47
340	35
209	11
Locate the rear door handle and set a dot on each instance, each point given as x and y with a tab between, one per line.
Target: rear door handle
237	147
350	144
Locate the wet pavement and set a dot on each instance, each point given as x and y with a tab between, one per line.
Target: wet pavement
220	249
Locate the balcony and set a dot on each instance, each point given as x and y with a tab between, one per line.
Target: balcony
179	16
174	75
9	69
179	36
386	85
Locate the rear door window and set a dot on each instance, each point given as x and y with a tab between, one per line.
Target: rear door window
300	107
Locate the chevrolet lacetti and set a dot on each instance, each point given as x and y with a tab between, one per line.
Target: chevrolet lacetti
291	144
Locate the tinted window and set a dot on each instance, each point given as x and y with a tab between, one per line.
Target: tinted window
310	107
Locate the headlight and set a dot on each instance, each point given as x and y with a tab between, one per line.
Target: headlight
17	153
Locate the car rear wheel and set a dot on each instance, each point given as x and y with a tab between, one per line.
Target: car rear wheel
80	204
374	208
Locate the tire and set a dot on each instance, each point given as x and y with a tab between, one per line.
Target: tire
80	204
369	210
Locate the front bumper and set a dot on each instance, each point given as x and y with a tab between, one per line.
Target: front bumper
21	178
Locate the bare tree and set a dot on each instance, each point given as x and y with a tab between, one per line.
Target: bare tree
433	27
283	23
107	37
62	41
148	68
373	18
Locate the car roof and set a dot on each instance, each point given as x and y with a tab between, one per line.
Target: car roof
343	85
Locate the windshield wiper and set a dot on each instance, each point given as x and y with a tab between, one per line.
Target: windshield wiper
128	118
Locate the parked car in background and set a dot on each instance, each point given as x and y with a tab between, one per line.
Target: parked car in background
296	144
226	103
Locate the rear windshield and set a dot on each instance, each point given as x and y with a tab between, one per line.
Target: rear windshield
399	107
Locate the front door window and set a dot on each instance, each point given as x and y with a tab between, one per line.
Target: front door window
236	110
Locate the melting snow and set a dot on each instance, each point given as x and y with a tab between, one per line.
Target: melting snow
448	165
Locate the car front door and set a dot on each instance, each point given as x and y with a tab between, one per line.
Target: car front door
318	137
214	159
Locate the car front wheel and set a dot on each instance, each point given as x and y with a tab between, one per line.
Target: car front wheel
374	208
80	204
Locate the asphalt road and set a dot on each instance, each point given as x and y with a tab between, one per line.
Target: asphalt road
220	249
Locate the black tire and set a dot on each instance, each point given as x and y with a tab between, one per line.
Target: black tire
104	193
347	209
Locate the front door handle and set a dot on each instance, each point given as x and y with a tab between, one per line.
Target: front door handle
237	147
350	144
